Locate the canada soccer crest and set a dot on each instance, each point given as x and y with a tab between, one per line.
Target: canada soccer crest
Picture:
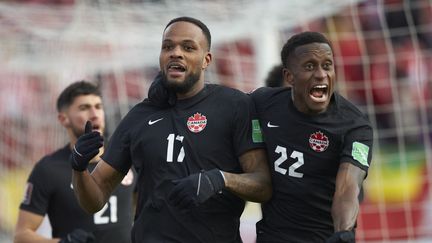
197	122
318	141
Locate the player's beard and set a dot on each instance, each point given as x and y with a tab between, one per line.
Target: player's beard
184	86
77	132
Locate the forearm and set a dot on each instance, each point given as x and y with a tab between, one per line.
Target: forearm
345	209
254	187
89	194
27	236
345	206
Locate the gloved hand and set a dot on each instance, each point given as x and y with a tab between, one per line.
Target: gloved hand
78	236
86	147
159	95
196	188
345	236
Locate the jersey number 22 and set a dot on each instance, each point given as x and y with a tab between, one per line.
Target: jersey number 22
283	157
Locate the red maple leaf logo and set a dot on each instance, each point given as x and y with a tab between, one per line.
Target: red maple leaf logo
197	122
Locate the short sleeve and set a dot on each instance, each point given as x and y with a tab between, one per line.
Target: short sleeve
358	147
247	131
37	191
117	151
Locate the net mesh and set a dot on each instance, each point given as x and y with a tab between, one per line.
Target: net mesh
383	56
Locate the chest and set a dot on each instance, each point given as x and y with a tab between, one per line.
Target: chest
183	139
301	147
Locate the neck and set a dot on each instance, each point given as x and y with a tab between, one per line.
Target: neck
192	92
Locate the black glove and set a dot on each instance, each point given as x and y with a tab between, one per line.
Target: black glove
86	147
196	188
78	236
159	95
344	236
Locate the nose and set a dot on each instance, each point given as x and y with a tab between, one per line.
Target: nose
95	113
320	73
176	52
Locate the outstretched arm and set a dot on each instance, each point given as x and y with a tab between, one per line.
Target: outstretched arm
93	190
25	230
29	222
345	207
255	183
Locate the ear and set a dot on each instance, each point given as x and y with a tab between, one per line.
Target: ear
288	76
63	119
207	60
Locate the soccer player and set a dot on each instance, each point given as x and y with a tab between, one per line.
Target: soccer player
275	77
49	186
319	146
198	158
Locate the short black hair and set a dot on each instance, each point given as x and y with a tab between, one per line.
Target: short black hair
301	39
275	77
68	95
196	22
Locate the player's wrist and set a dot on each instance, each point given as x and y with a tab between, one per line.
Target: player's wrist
217	179
343	236
223	176
77	165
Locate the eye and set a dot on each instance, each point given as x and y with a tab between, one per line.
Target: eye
328	66
188	48
83	107
309	66
99	106
167	47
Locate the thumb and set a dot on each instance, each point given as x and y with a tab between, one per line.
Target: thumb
175	182
88	127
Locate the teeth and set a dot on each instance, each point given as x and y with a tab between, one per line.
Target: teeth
176	66
320	87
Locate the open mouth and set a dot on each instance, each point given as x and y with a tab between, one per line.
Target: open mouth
96	128
176	67
319	93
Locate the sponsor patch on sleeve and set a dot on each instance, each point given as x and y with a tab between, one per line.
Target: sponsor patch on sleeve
27	194
360	152
256	132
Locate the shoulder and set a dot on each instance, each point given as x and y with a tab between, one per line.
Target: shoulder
347	106
225	91
350	111
144	105
46	163
140	111
266	97
265	93
227	95
57	156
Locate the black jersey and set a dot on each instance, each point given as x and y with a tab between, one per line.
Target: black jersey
50	191
304	153
210	130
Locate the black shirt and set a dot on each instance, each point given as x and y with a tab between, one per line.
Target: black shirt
304	153
210	130
49	191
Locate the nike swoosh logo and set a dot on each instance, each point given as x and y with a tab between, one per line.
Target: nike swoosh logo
271	125
150	122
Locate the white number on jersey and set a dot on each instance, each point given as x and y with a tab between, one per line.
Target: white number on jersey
170	148
112	217
283	157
